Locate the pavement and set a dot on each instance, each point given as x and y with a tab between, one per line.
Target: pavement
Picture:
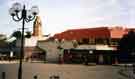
64	71
67	71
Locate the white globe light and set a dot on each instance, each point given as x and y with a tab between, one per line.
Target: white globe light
17	7
34	10
11	12
29	14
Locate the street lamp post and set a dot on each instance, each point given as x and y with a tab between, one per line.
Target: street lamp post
19	13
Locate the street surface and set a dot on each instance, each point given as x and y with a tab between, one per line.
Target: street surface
43	71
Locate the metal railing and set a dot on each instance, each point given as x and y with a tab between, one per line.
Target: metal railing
127	71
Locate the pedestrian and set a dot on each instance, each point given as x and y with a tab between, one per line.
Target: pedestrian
86	60
60	59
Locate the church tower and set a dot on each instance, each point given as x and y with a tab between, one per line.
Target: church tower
37	28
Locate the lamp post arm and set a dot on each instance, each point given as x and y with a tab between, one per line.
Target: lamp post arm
13	17
18	16
29	19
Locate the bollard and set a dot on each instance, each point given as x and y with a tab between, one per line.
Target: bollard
35	77
3	75
133	68
50	77
54	77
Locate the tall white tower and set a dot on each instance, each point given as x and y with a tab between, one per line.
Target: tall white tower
37	28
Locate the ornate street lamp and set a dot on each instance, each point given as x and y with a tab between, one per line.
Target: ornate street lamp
18	13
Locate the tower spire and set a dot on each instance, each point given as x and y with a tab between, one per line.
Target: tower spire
37	28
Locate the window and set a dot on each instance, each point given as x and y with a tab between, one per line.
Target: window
91	41
85	41
114	41
101	41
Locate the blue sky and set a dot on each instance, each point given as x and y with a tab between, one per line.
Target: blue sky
60	15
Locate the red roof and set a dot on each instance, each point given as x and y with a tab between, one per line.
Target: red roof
77	34
117	32
99	32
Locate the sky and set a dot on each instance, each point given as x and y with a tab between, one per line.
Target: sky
61	15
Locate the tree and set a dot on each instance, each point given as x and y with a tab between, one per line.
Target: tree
126	47
16	34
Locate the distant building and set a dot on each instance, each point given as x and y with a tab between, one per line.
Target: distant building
99	43
52	50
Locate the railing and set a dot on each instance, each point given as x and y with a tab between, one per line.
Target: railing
127	71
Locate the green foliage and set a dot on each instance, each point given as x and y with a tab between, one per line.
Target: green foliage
126	48
127	42
17	34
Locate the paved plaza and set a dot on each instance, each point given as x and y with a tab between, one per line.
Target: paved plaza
65	71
